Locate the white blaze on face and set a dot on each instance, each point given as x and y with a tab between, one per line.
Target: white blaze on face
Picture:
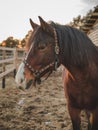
20	79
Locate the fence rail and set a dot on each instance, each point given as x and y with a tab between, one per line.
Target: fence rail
9	61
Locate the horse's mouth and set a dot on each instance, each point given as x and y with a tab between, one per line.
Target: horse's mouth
38	79
42	72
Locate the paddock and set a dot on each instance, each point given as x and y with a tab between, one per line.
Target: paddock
40	108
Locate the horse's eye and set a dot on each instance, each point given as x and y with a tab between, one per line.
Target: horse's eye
41	46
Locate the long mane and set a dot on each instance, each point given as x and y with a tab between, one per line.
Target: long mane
75	46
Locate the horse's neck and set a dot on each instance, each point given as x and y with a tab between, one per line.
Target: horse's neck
74	54
75	69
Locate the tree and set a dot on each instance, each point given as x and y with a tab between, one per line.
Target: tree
10	42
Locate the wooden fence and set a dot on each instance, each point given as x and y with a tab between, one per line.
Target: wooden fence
94	35
9	61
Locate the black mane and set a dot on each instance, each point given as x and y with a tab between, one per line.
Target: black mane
75	45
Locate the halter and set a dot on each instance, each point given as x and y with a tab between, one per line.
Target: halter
47	69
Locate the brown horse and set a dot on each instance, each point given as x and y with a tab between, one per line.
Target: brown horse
51	45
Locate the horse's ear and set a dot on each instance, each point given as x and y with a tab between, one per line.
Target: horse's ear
34	25
45	26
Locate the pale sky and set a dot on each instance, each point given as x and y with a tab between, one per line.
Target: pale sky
15	14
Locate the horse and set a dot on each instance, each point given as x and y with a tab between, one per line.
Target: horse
51	45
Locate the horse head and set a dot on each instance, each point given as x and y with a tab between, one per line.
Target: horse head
41	57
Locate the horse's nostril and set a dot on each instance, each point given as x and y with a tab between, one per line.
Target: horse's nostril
21	80
24	73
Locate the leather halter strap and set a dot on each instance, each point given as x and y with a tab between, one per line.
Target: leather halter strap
49	68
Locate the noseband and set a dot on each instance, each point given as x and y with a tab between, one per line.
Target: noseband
47	69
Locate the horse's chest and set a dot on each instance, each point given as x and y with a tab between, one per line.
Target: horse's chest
82	93
81	96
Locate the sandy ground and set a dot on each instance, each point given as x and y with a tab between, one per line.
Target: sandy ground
40	108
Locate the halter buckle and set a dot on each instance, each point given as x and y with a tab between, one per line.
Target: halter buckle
57	50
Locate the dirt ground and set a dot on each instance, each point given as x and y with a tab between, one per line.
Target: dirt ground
39	108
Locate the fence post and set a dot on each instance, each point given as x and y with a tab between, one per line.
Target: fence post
3	68
15	61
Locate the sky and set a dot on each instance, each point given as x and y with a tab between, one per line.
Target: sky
15	14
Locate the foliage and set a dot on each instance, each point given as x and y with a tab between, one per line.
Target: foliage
10	42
